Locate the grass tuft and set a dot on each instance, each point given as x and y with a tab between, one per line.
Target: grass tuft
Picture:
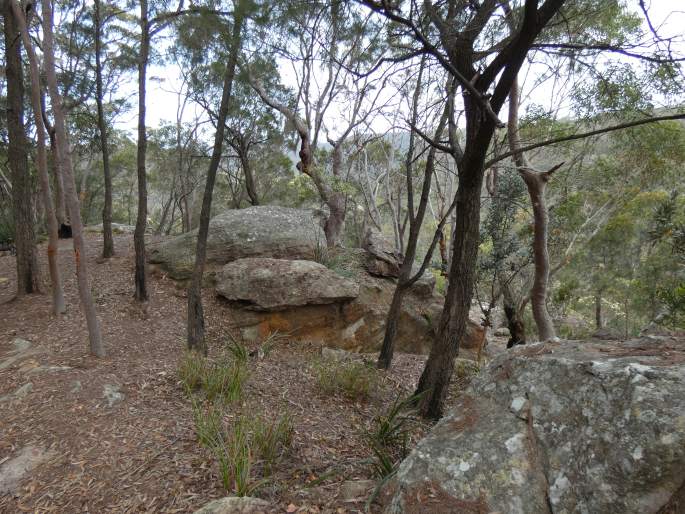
388	436
354	380
224	380
191	370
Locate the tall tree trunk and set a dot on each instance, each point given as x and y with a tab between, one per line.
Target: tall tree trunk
60	202
335	200
64	158
250	184
405	280
599	323
536	183
108	240
436	376
515	324
196	321
58	305
141	221
28	271
335	222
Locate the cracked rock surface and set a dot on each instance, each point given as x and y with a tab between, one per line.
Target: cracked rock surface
586	427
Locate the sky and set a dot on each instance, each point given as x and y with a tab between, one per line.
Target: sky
668	17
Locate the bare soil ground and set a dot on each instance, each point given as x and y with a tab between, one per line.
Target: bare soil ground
141	454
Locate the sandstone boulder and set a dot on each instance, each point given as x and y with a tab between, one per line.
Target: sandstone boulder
277	284
260	231
558	427
381	260
351	322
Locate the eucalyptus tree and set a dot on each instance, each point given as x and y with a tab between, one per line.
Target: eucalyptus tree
28	272
154	17
65	164
483	46
333	40
233	39
483	71
58	304
111	60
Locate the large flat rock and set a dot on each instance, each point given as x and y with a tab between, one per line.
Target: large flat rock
260	231
566	427
277	284
306	312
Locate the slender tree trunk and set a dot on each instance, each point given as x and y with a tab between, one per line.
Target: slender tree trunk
53	165
404	281
58	305
536	183
250	184
599	323
436	376
165	210
516	326
28	271
108	240
141	221
196	321
64	158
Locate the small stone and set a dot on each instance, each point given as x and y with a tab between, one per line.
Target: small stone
24	390
112	394
76	387
356	490
19	393
12	471
236	505
334	354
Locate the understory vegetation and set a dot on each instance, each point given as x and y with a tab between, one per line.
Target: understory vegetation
246	446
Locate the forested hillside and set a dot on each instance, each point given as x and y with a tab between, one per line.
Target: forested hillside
273	212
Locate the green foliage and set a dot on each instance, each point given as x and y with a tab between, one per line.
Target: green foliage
388	436
352	379
192	371
238	350
224	380
221	381
239	446
271	439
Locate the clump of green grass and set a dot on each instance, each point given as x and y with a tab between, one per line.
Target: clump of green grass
270	440
238	350
354	380
191	371
388	436
223	380
237	447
